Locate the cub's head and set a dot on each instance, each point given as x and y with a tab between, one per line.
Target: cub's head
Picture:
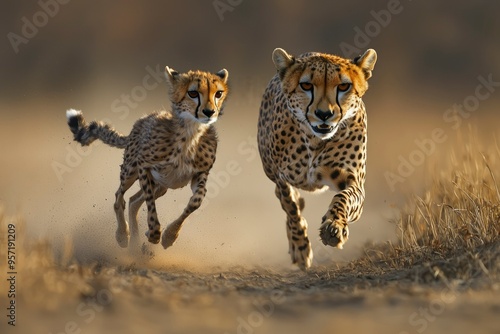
197	95
323	90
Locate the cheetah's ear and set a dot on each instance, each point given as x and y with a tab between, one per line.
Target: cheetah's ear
282	60
367	62
223	74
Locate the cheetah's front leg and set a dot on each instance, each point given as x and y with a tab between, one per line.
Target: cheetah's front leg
296	226
345	208
198	186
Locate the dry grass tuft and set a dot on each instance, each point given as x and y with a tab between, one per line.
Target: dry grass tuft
461	210
453	230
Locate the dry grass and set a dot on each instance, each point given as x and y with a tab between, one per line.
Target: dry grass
460	212
452	231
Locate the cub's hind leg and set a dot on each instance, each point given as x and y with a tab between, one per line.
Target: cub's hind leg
128	176
135	203
147	188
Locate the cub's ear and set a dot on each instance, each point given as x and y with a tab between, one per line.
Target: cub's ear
282	60
223	74
173	79
171	74
367	62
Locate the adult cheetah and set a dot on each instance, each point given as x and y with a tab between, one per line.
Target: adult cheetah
312	136
164	150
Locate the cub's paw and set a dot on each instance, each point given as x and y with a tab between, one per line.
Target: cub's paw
334	233
153	236
122	237
170	234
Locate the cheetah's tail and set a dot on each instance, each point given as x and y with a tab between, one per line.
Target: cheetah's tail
85	133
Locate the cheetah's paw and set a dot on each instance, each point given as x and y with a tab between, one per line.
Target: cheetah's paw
334	233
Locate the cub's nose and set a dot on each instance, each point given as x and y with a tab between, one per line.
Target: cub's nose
208	112
323	115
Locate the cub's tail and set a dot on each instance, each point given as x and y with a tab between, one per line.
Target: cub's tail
85	133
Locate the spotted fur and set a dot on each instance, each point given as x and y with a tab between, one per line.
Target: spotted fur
312	136
164	150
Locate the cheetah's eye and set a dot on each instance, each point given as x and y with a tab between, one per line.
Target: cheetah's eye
306	86
193	94
218	94
344	87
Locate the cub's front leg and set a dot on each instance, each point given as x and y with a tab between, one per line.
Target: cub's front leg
198	186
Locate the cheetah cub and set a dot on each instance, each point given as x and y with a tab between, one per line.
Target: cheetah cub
164	150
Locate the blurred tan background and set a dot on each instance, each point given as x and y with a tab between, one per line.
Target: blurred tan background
104	57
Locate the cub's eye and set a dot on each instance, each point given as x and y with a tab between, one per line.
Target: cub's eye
218	94
344	87
193	94
306	86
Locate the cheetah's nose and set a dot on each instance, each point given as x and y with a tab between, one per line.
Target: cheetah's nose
323	115
208	112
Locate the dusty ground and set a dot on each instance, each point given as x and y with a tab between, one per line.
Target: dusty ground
104	298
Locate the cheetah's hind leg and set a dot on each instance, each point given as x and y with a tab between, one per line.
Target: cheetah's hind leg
296	226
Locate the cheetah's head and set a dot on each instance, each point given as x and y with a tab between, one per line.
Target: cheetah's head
323	90
197	95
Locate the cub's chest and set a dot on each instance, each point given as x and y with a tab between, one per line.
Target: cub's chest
171	175
177	170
